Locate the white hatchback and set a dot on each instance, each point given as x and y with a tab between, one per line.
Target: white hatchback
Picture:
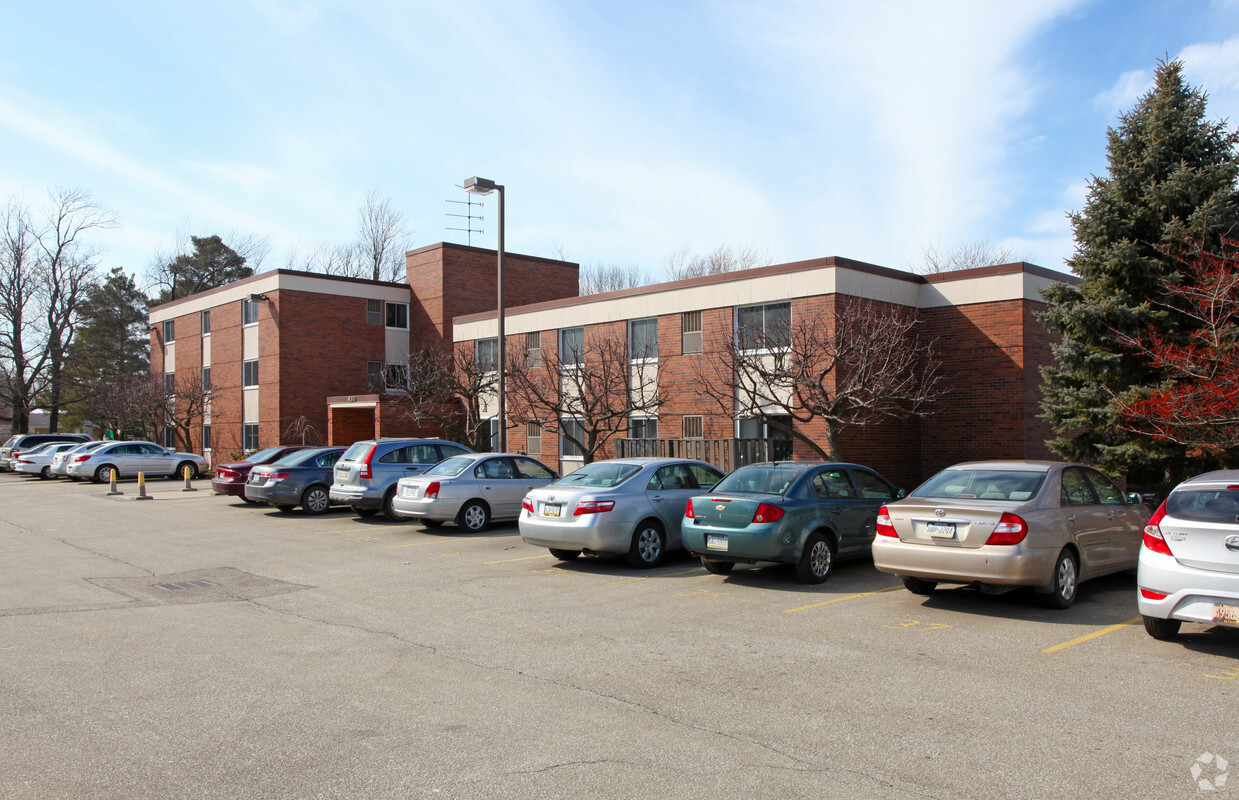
1189	560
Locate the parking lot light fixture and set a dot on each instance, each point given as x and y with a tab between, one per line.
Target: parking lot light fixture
484	186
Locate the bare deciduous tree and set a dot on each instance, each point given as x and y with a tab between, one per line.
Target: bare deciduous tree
586	394
682	264
449	389
381	234
981	253
865	363
598	278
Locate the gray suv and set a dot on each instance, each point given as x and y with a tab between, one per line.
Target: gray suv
25	441
365	476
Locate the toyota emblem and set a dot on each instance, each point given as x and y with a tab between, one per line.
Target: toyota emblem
940	512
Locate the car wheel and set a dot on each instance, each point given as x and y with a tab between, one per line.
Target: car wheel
45	473
180	470
102	473
432	523
717	567
284	509
919	585
565	555
649	545
1162	629
389	512
365	512
1065	582
315	500
474	517
817	559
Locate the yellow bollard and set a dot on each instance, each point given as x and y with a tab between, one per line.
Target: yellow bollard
142	495
112	490
185	474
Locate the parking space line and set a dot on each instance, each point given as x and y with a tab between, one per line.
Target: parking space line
841	599
415	544
510	560
662	575
1090	636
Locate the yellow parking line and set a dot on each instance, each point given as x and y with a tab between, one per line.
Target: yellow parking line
510	560
663	575
1089	636
415	544
841	599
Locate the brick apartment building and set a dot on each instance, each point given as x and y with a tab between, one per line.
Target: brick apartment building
289	352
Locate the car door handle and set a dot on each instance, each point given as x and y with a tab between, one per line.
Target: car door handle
1071	517
836	510
657	497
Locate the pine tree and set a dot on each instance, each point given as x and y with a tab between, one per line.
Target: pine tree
1172	177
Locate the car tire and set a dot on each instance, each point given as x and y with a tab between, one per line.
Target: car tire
431	523
919	585
365	513
389	511
817	559
45	473
565	555
315	499
101	473
284	509
473	517
1065	582
717	567
649	545
1162	629
179	472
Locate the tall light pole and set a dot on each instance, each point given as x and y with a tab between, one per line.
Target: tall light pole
483	186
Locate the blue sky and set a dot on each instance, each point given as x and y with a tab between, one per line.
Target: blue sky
622	130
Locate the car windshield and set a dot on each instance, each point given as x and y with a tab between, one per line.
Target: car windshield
982	484
759	480
357	451
298	457
450	467
262	456
9	442
602	475
1204	505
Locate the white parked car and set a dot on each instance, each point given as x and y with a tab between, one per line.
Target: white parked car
60	461
39	460
1189	560
130	458
471	490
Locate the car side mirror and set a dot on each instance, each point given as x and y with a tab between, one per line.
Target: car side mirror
1134	499
901	494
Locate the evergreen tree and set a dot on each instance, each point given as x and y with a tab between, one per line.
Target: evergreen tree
212	264
1172	176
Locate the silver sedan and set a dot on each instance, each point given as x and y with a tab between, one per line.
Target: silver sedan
633	506
471	490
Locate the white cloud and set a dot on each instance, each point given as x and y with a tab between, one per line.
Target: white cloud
1128	89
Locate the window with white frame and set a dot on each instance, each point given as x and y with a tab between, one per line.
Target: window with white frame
374	375
396	377
206	322
643	339
206	379
169	382
487	354
374	312
249	437
249	312
694	426
533	438
206	438
169	437
533	349
488	436
249	372
567	448
767	327
398	316
643	427
572	347
169	331
690	329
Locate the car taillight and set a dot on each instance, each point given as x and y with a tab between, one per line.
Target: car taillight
14	453
80	459
365	472
688	511
1009	530
432	490
768	513
527	505
1153	539
593	507
24	461
279	476
884	526
225	473
1149	594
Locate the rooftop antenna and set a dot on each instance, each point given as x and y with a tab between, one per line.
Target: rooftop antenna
469	216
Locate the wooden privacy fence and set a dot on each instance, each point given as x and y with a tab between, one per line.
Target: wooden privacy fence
726	454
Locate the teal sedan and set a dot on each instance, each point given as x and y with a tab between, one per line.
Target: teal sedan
806	514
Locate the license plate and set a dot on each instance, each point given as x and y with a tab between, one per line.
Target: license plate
341	474
716	541
551	509
940	530
1225	615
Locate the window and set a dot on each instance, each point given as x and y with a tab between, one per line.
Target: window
706	476
487	354
1107	492
690	326
1076	491
169	382
169	331
169	437
533	349
832	484
374	375
765	327
529	469
374	312
488	436
694	427
533	437
567	447
249	312
870	486
396	377
249	437
572	347
643	339
206	379
643	428
767	428
670	478
206	438
249	372
206	322
398	316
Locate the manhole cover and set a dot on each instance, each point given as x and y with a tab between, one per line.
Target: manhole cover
215	585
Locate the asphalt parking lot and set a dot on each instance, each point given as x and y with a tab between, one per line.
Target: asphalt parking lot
195	646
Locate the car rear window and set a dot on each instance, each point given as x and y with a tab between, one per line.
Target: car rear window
298	457
1204	505
759	480
451	467
982	484
262	456
9	442
357	451
601	475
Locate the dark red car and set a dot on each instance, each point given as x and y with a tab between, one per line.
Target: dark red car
230	478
